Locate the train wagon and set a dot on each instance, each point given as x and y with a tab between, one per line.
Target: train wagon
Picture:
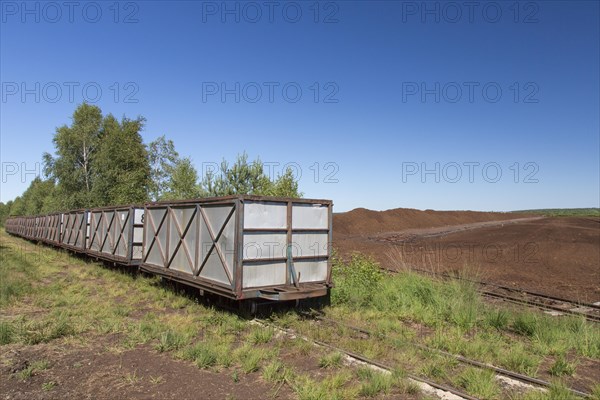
116	234
242	247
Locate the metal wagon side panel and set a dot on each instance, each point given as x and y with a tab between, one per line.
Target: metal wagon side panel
115	234
53	230
9	225
75	230
26	227
192	242
32	228
42	227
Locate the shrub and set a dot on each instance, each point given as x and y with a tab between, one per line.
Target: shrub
356	281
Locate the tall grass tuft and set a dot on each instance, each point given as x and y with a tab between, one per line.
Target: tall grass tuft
6	332
361	283
480	383
16	273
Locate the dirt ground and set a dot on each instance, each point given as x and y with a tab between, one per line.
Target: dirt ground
556	256
100	372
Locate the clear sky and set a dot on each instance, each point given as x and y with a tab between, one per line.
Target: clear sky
429	105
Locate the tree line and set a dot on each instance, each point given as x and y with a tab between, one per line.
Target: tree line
100	160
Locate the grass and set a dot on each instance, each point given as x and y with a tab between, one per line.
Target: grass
454	308
250	358
202	354
519	359
6	332
275	372
261	335
456	319
375	382
16	274
562	367
334	387
557	391
564	212
331	360
26	373
85	299
131	378
479	382
596	391
170	340
32	368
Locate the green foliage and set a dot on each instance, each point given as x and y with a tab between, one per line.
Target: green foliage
249	357
183	181
275	372
498	318
261	335
4	211
356	281
163	158
206	358
170	340
285	185
519	359
564	212
596	391
120	166
331	388
562	367
332	360
38	198
479	382
75	146
98	161
375	383
6	332
16	274
17	207
248	178
557	391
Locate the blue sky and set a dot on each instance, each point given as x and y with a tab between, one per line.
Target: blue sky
376	104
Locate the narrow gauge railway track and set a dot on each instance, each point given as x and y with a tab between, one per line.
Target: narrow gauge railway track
370	362
464	360
589	311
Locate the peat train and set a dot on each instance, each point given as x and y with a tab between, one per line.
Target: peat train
242	248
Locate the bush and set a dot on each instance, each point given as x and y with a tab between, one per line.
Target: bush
356	281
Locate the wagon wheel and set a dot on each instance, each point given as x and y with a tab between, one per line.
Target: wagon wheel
248	308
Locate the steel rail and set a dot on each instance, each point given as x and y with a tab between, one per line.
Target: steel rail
500	371
529	302
375	363
587	316
507	288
